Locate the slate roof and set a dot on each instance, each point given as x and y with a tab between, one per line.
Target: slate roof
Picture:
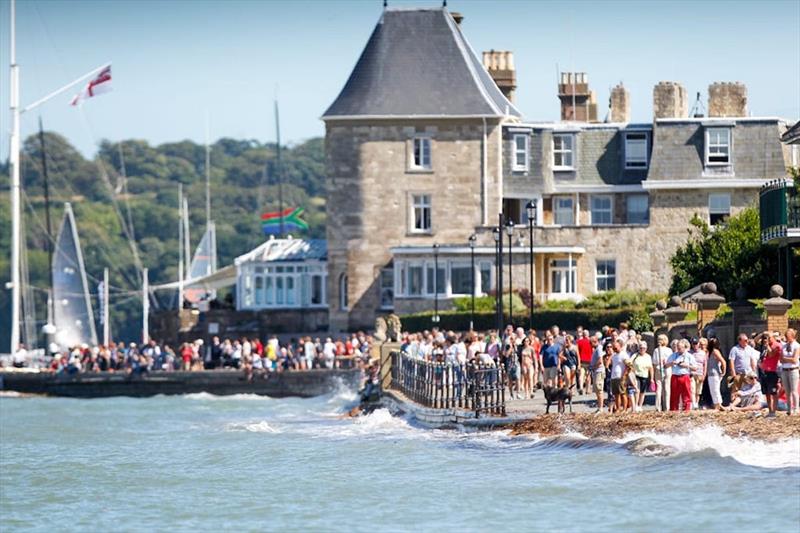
417	63
277	250
679	149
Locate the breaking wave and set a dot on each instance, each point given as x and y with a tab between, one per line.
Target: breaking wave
252	427
209	396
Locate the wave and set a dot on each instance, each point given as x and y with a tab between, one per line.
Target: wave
252	427
780	454
209	396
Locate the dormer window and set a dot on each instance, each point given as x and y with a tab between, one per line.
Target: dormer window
636	149
421	153
521	152
718	146
563	151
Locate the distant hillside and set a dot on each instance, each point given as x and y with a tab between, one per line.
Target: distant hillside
243	185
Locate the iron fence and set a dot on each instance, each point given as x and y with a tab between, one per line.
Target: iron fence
471	386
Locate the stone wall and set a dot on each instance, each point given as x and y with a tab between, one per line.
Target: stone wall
369	195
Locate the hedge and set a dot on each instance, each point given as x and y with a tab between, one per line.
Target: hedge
542	319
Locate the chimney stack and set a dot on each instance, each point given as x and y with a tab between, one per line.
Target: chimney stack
500	65
620	105
458	17
669	100
577	100
727	99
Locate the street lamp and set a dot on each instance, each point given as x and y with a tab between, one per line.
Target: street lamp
435	283
498	278
531	209
472	239
510	232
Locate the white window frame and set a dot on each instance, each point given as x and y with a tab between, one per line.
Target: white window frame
460	265
425	202
605	275
524	152
568	276
564	151
637	163
422	142
628	199
557	210
382	287
711	148
715	210
610	209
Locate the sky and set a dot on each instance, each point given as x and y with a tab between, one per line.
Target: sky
180	63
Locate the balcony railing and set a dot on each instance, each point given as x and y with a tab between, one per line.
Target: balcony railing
779	211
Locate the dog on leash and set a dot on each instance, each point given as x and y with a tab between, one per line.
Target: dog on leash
559	395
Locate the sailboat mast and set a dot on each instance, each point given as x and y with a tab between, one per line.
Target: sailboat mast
47	209
186	239
13	156
208	176
279	169
106	325
180	247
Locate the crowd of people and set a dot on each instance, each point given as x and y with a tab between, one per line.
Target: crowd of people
247	354
620	369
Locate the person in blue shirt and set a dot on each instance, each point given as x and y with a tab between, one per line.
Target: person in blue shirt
551	352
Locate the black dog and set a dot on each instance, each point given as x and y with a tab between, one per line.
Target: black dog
559	395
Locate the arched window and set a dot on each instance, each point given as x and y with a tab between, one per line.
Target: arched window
343	303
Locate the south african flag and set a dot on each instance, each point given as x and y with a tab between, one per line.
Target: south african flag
271	222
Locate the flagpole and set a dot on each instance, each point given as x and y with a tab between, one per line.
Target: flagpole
16	214
106	325
279	170
145	308
180	247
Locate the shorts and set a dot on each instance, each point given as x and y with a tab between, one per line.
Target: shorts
644	383
513	372
617	387
769	384
599	381
551	373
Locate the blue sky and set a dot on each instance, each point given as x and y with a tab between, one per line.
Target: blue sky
174	61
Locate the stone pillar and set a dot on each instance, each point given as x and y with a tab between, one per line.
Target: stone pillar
619	104
741	308
727	99
707	305
675	312
387	349
669	100
658	317
777	308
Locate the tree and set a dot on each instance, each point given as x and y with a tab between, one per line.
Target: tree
730	255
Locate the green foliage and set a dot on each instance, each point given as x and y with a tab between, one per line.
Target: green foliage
486	304
566	319
244	183
640	320
730	255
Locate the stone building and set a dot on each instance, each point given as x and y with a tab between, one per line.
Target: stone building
424	151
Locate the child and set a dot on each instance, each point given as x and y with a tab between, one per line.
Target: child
631	387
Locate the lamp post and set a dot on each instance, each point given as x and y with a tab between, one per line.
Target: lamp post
498	289
510	232
472	239
531	209
435	283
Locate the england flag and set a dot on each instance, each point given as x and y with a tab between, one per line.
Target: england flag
98	85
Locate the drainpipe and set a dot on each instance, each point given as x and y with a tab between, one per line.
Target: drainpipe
484	188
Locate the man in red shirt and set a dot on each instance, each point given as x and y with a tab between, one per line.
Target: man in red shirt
585	354
769	365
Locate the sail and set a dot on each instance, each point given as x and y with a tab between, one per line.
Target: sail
72	309
203	264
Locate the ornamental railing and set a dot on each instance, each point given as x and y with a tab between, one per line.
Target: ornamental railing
471	386
779	210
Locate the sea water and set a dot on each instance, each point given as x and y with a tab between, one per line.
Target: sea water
205	463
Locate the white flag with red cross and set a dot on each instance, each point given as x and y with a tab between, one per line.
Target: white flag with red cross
98	85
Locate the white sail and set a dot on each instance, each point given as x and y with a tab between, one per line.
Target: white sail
72	309
204	263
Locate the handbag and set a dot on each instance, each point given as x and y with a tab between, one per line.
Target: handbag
652	386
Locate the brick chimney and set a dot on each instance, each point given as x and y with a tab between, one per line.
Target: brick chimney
500	64
457	17
669	100
577	100
727	99
619	104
